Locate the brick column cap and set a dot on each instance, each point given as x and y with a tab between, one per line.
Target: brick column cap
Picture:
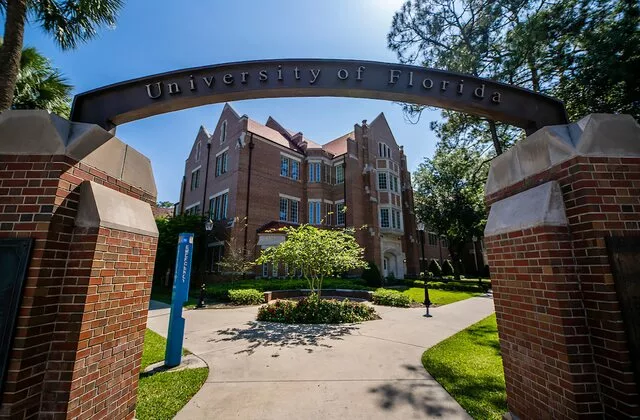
602	135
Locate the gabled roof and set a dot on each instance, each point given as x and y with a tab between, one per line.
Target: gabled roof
338	146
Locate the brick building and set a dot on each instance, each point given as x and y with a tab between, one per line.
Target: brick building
249	178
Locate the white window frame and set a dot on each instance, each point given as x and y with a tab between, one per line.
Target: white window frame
198	151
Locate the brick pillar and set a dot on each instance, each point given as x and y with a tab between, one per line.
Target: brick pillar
78	338
554	199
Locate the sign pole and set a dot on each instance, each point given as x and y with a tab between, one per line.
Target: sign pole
180	294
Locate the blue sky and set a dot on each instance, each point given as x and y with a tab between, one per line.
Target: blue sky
154	36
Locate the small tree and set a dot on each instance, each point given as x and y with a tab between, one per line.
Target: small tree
236	260
371	275
317	253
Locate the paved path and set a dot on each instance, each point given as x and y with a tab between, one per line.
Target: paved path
365	371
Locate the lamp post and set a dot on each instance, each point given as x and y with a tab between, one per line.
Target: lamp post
427	301
208	227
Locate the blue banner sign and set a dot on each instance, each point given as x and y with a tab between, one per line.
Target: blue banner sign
180	294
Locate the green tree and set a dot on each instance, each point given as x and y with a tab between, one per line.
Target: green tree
317	253
69	22
40	85
237	261
165	204
584	52
448	196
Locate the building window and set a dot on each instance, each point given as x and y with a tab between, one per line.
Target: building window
382	180
218	207
340	213
384	151
384	218
445	242
315	212
198	149
433	239
293	211
216	253
284	166
330	215
223	132
221	163
274	271
193	210
284	208
295	170
314	172
327	174
195	179
395	219
393	183
265	270
340	174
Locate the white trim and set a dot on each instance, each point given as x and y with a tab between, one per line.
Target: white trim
338	162
291	157
290	197
318	159
328	201
192	206
219	193
315	200
196	168
222	151
339	201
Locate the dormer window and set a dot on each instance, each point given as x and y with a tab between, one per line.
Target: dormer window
223	132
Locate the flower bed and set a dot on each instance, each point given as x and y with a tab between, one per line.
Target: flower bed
313	310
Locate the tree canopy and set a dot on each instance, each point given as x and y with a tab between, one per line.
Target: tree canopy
40	85
449	194
585	52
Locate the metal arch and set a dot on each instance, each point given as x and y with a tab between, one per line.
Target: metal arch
139	98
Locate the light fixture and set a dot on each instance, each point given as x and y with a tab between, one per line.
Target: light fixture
208	225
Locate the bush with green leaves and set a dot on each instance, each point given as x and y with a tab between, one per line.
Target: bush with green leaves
246	297
388	297
313	310
434	268
447	268
371	275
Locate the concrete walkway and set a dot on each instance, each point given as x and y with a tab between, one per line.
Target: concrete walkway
364	371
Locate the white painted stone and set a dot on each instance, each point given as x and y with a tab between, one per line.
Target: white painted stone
539	206
101	206
595	135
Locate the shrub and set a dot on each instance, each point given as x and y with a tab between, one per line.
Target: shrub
246	297
371	274
388	297
313	310
447	268
434	268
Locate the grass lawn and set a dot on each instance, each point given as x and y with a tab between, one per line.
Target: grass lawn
438	297
162	395
469	366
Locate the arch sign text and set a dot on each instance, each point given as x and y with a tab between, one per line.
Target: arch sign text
152	95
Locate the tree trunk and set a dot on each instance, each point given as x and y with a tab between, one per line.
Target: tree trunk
11	51
494	137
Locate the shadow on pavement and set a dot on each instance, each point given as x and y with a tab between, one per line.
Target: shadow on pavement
419	393
266	334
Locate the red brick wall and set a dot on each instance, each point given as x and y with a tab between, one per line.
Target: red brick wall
602	198
39	199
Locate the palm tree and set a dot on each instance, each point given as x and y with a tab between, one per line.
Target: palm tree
39	85
69	22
